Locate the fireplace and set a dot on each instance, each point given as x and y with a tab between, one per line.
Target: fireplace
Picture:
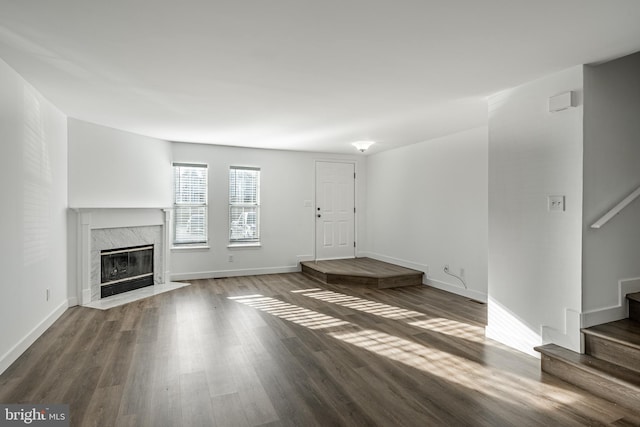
125	269
103	229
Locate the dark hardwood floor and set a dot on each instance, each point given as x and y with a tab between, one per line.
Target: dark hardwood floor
285	350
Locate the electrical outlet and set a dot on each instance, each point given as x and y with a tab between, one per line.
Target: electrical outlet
462	272
230	259
555	203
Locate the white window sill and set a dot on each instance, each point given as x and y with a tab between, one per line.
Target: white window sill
241	245
190	248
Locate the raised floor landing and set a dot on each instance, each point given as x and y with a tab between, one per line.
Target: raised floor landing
362	271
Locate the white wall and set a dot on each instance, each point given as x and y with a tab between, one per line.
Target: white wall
427	207
33	187
113	168
110	168
535	255
611	172
287	225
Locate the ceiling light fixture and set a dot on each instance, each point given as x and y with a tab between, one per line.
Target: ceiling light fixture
363	145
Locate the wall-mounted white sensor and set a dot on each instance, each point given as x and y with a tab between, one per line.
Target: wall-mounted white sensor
562	101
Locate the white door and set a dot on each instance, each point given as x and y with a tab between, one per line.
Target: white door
335	210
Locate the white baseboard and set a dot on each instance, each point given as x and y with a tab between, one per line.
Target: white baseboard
86	296
12	355
458	290
234	273
570	337
401	262
615	312
449	287
73	301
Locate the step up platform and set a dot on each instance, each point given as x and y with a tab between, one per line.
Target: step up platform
600	377
362	271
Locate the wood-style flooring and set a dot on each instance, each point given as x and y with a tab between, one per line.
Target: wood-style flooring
285	350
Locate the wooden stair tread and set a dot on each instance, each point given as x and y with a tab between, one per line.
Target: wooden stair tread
611	366
625	331
606	370
634	297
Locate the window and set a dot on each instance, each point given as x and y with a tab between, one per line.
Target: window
190	204
244	204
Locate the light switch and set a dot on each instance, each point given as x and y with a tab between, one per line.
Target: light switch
555	203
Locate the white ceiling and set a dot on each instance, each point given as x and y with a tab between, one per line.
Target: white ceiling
301	74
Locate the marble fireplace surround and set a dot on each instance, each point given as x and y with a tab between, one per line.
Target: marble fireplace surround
110	228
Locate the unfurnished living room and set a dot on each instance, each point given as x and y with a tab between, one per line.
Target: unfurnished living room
320	213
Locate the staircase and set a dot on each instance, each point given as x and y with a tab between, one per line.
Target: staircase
610	367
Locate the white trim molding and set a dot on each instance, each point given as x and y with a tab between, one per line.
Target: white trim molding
616	312
166	244
457	289
234	273
84	256
569	337
401	262
88	220
302	258
454	288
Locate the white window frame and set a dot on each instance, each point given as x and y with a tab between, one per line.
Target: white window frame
200	239
238	227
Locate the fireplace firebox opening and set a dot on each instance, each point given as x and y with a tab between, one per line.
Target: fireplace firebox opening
125	269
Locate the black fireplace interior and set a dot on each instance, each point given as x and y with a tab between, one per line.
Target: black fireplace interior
126	269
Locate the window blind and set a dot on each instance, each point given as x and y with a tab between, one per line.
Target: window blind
190	203
244	204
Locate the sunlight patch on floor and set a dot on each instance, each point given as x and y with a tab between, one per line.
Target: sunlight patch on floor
451	368
419	320
367	306
293	313
452	328
493	382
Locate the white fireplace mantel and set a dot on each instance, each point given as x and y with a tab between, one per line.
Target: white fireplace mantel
99	218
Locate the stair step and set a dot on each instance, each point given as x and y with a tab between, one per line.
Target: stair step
625	331
604	379
635	296
616	342
634	306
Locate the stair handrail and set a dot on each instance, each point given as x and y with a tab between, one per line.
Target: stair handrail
616	209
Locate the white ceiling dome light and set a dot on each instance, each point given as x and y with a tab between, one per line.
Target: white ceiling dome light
363	145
